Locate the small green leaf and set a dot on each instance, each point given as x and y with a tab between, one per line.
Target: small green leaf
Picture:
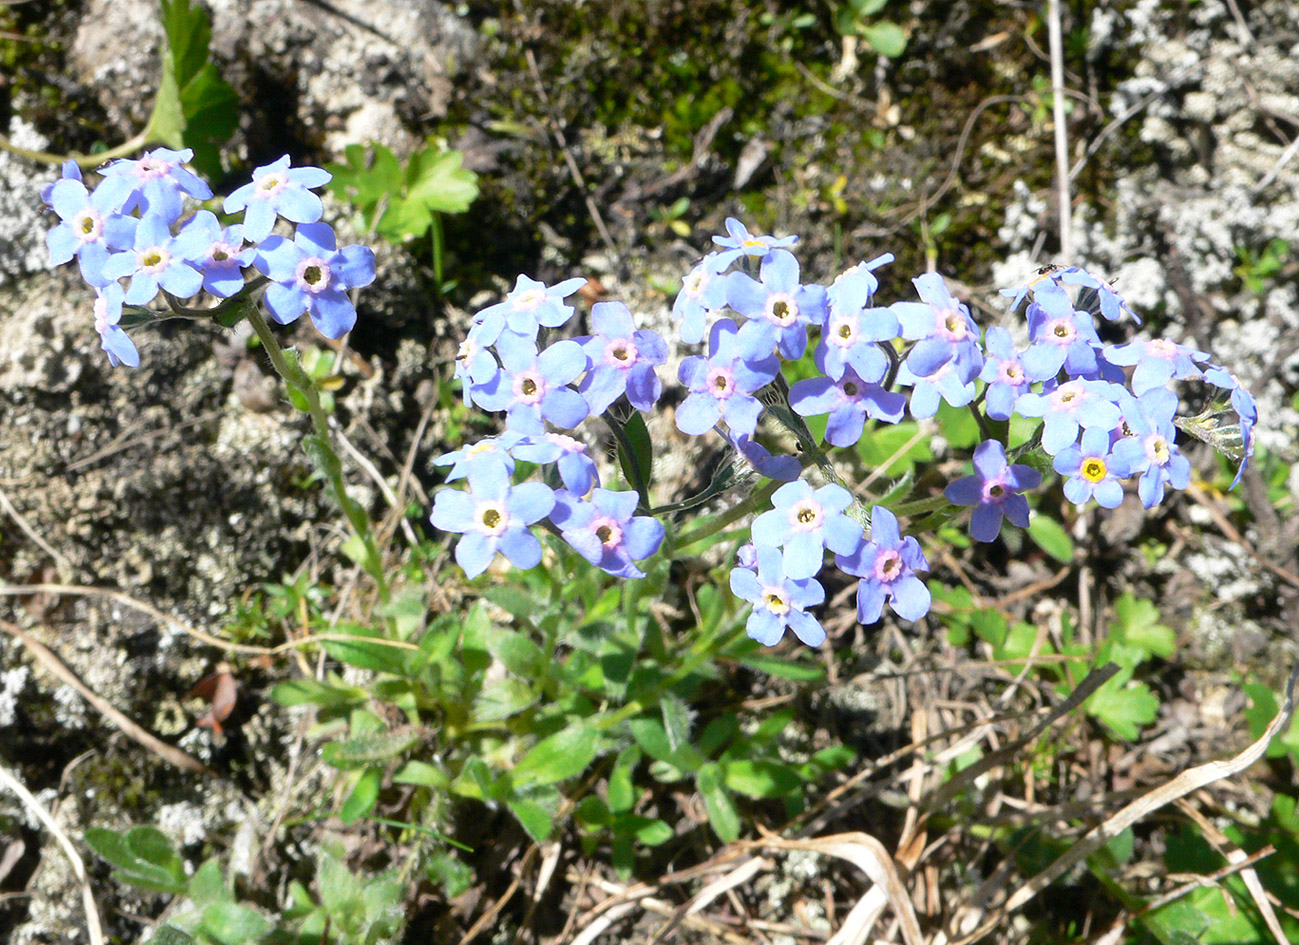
422	773
207	885
1124	711
759	779
521	656
1138	626
533	817
722	816
1051	537
792	668
233	924
886	38
636	452
170	935
307	691
143	857
364	750
363	797
560	756
378	656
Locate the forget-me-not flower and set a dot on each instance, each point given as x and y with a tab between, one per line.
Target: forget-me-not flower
805	522
1156	362
780	468
994	491
1093	470
848	401
224	260
887	566
1061	336
606	531
943	331
622	360
530	306
159	259
311	274
722	385
1003	373
1150	450
532	386
779	307
778	600
278	190
1066	408
115	342
493	516
492	450
577	469
702	291
738	241
90	228
154	183
850	339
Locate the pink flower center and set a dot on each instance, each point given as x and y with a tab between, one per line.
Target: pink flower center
271	185
721	382
222	256
994	491
1061	331
1162	348
1068	396
314	275
528	299
696	282
152	167
952	326
888	566
529	387
1009	372
805	515
620	353
608	531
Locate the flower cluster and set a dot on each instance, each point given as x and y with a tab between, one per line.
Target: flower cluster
1106	414
132	240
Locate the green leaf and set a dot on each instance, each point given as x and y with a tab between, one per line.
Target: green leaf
885	38
560	756
143	857
363	797
534	818
648	831
307	691
521	656
378	656
364	750
792	667
194	107
622	790
1124	711
722	816
636	452
1138	625
759	779
1051	537
233	924
423	774
446	871
437	182
170	935
890	445
207	885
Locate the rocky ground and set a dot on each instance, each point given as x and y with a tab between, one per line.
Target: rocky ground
610	143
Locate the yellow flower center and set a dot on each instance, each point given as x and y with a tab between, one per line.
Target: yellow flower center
1094	469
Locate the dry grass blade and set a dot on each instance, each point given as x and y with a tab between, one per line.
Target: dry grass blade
93	926
739	876
869	855
1180	786
46	657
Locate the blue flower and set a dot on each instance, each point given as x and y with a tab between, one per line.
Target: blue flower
493	516
780	468
1157	362
154	183
277	189
779	307
532	385
577	469
310	274
1109	303
90	227
1061	336
994	491
1242	401
115	342
606	531
1149	447
622	360
722	387
854	288
848	401
224	260
740	242
70	171
850	340
530	306
806	522
158	259
476	366
944	383
887	566
493	450
943	330
1093	471
1003	373
1074	404
778	600
703	291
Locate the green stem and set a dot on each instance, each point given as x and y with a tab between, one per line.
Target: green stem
726	519
83	160
297	380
